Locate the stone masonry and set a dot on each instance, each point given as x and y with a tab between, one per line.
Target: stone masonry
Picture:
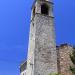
42	54
64	61
45	50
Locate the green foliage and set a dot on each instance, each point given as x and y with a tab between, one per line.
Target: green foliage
72	57
53	74
72	69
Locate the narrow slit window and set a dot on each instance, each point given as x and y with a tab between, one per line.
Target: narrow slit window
34	11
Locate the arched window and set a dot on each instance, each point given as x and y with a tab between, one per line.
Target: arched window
44	9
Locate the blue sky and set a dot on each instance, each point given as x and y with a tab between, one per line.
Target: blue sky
14	30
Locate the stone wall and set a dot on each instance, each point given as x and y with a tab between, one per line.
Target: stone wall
64	62
45	59
42	54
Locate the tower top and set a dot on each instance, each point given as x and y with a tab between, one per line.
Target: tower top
45	0
50	1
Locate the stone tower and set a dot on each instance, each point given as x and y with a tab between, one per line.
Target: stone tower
42	55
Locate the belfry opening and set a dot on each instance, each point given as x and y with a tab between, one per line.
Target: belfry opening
44	9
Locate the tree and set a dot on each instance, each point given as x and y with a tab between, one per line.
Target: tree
72	56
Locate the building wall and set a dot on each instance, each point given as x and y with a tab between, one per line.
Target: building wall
30	57
64	61
45	59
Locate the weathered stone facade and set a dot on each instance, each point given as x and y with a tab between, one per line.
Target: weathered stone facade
42	54
45	50
64	61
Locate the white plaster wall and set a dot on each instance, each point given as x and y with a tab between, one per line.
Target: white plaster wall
23	73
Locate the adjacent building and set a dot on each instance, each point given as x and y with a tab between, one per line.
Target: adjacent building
23	68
